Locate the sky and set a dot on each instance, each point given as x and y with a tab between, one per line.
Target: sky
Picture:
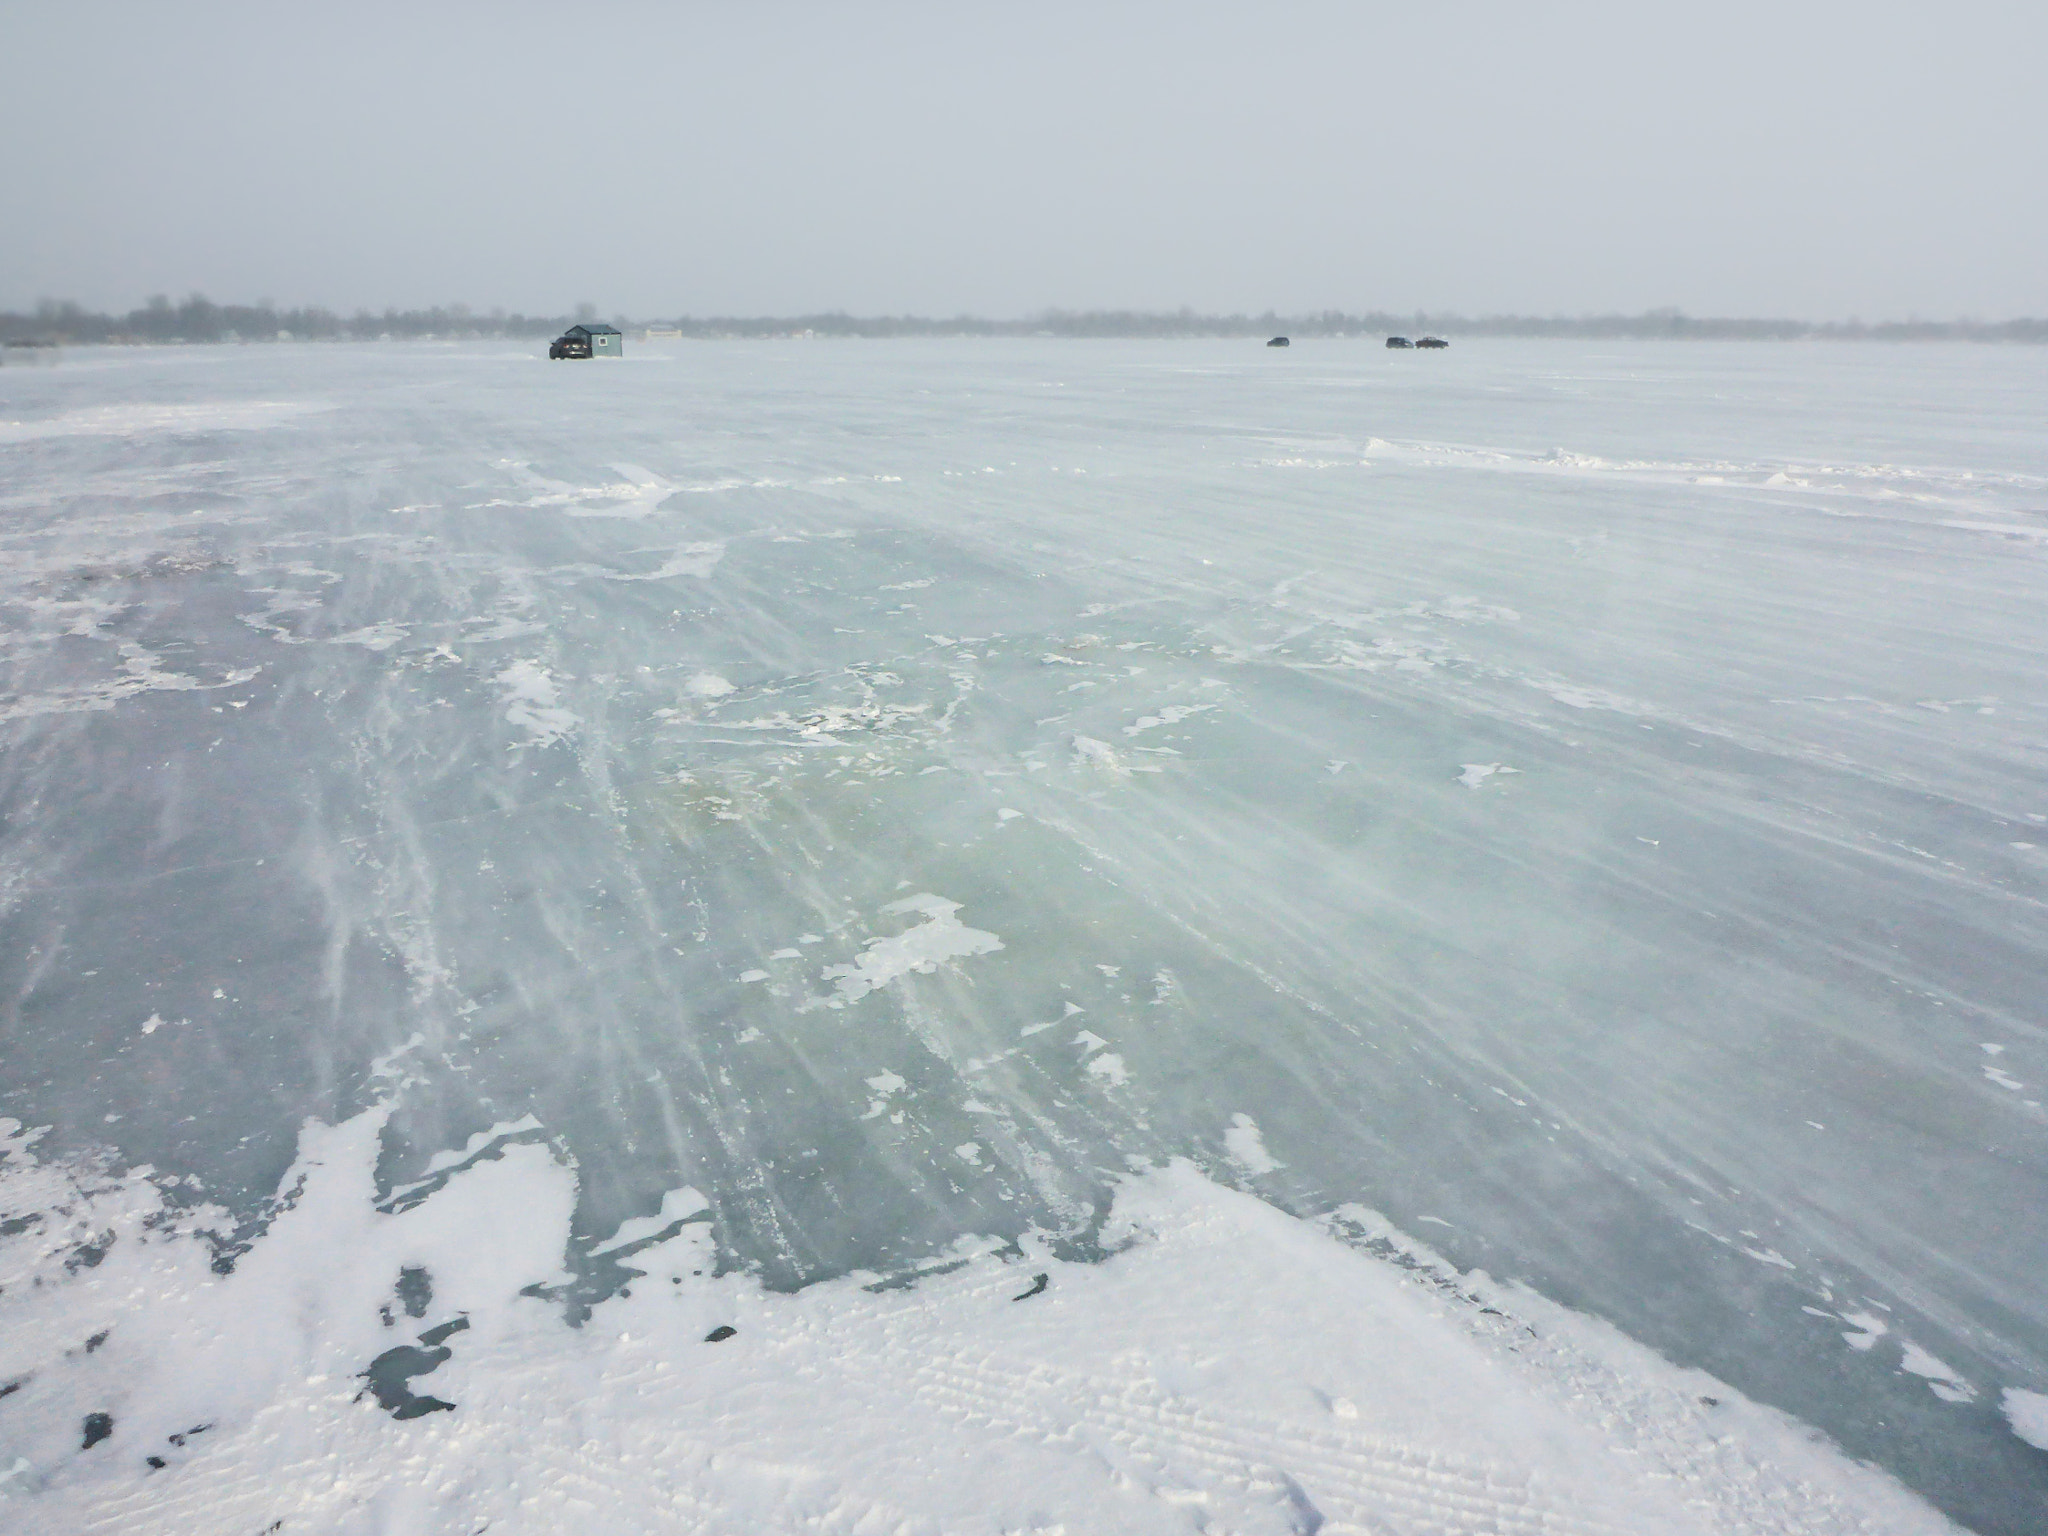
708	157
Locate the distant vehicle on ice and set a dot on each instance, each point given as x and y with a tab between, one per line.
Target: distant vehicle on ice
589	341
1279	341
1432	342
39	350
1399	341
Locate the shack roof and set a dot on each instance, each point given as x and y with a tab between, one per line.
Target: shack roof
593	330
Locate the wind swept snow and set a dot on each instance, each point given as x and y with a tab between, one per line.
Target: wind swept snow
850	938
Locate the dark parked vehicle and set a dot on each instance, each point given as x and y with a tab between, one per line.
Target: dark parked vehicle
1432	342
1279	341
591	340
1399	341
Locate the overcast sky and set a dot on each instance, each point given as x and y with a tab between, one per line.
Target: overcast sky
1807	159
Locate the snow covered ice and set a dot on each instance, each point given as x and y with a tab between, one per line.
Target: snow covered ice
1477	917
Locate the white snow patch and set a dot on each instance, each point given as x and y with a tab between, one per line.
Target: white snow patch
885	1083
707	685
636	493
940	937
533	703
2027	1413
447	1158
699	560
1769	1256
1098	754
1942	1380
1330	1381
141	672
1476	774
387	1065
376	637
1172	714
1110	1068
1247	1147
677	1205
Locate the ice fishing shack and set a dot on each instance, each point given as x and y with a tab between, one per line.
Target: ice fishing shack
589	341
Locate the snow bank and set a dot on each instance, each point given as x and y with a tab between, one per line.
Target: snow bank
1228	1368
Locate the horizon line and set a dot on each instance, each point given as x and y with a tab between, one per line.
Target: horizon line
200	319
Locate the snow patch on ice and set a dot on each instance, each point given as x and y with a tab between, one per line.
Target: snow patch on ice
141	672
2027	1413
637	493
1172	714
1334	1388
1247	1147
676	1206
1476	774
1769	1256
698	560
1942	1380
1098	754
1109	1067
1867	1329
886	1084
533	703
375	637
922	948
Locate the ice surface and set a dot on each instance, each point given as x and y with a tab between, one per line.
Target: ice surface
713	775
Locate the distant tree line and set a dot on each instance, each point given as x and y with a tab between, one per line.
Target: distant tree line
198	319
1330	322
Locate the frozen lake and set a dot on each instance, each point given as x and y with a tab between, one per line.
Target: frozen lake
1588	803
